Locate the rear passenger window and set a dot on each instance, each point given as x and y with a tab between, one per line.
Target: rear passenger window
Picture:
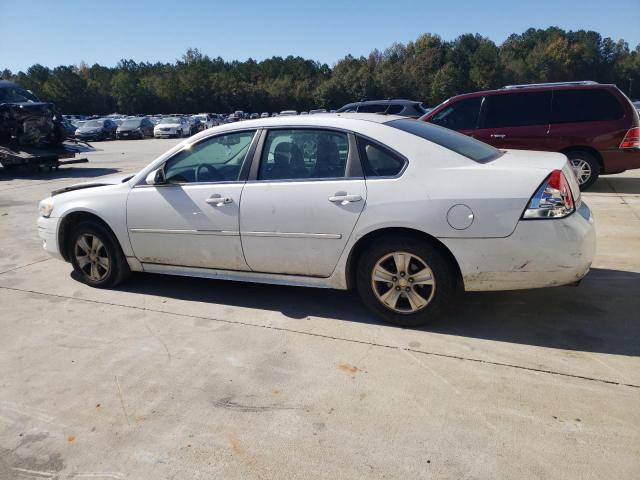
393	109
378	161
462	115
585	106
304	154
516	110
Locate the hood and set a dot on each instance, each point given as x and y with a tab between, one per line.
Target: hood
109	180
167	125
89	129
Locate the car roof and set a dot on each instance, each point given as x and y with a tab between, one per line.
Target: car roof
348	121
536	88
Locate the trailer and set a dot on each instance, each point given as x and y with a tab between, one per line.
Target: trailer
46	158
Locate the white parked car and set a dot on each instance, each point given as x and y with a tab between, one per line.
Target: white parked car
172	127
286	113
405	211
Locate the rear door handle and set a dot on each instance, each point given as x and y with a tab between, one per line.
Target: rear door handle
497	135
218	200
343	199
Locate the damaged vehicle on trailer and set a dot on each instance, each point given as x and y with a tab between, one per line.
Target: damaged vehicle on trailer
32	132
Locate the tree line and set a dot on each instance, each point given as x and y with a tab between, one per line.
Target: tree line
427	69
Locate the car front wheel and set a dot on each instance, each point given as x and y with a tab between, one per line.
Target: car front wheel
96	256
406	281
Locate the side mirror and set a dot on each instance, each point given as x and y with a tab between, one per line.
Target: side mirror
156	177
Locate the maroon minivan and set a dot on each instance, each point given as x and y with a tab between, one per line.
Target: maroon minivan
595	125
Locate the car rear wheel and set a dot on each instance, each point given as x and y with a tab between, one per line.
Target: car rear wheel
96	256
585	166
406	281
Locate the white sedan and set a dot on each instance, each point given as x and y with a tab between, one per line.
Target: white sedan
407	212
172	127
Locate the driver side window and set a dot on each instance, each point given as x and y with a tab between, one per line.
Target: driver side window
218	159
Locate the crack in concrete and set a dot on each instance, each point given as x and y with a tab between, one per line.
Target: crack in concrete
25	266
331	337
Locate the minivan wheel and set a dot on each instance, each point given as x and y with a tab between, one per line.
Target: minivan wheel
96	256
585	166
406	281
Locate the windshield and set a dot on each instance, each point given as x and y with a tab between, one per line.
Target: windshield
131	122
16	95
94	123
457	142
170	120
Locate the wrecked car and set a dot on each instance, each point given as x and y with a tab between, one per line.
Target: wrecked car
32	132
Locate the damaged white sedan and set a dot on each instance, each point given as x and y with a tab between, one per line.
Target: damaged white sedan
407	212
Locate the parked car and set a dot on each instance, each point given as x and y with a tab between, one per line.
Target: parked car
318	110
406	108
253	116
264	115
171	127
135	127
404	211
594	125
285	113
100	129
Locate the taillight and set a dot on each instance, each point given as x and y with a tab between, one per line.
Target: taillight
552	200
631	139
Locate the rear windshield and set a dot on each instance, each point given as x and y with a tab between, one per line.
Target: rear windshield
457	142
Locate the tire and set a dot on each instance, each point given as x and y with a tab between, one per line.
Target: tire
586	167
108	248
439	295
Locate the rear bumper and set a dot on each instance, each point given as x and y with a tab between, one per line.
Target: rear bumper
616	161
539	253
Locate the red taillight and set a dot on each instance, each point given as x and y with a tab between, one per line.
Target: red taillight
631	139
552	200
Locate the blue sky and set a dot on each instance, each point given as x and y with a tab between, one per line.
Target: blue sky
66	32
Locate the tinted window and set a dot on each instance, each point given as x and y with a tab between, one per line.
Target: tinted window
462	115
372	108
516	110
302	153
218	159
457	142
585	106
393	109
378	161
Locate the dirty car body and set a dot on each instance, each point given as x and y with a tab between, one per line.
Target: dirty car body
402	210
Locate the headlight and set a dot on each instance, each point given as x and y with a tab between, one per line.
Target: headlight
46	207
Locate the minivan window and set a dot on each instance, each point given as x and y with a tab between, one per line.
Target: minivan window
516	109
585	106
450	139
462	115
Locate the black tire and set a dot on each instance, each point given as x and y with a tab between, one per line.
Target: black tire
588	159
118	266
445	275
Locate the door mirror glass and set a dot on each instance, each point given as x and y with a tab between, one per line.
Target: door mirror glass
156	177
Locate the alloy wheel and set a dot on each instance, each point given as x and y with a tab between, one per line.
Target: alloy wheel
91	255
582	169
403	282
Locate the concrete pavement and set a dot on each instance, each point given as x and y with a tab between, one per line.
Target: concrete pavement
170	377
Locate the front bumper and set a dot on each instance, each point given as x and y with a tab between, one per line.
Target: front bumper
539	253
48	233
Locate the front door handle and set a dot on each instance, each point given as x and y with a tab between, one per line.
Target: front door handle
218	200
497	135
343	198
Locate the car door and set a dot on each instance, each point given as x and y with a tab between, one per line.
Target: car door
191	218
518	120
303	198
